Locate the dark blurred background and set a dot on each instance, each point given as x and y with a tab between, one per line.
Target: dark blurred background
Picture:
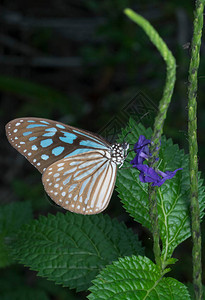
81	63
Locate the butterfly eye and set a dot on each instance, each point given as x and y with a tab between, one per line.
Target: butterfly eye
79	168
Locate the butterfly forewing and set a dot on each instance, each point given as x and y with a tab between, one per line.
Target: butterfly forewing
82	183
44	141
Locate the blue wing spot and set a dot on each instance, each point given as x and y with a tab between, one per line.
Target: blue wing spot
27	133
68	138
35	125
93	144
78	151
31	121
32	138
60	126
46	143
90	137
44	156
51	131
44	122
58	150
34	147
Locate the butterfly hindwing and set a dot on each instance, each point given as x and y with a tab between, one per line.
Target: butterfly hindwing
44	141
81	183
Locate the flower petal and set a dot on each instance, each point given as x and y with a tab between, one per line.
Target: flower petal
142	142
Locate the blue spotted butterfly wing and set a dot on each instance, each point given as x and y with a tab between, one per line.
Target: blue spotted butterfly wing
44	141
78	171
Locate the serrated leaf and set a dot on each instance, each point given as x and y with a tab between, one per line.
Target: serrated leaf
12	217
136	278
173	196
71	249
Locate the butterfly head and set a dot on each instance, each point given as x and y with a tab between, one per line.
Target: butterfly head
119	153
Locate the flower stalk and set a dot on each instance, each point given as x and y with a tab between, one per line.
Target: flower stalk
193	148
159	120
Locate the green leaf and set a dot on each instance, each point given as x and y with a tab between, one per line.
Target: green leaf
173	196
136	278
71	249
12	217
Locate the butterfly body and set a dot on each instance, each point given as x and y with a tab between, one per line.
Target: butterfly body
79	168
119	153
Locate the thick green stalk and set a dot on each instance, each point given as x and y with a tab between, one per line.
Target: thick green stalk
159	120
193	148
155	227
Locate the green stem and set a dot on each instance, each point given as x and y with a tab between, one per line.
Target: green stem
155	226
193	148
159	120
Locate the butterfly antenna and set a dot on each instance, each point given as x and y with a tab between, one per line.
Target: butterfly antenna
130	151
137	124
126	135
143	116
124	168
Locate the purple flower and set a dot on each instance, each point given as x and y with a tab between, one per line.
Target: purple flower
165	175
142	142
147	174
142	151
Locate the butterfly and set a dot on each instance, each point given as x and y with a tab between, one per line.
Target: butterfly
79	168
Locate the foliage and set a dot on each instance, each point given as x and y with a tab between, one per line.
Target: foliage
71	249
173	196
12	217
136	278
